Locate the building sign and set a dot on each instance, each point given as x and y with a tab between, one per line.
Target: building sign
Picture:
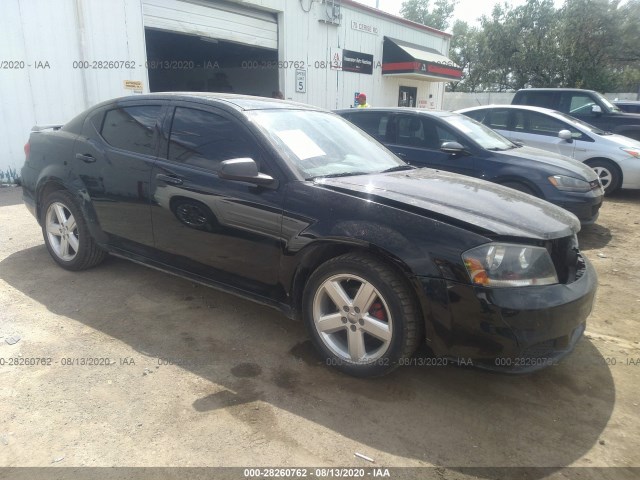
363	27
357	62
301	81
133	85
336	58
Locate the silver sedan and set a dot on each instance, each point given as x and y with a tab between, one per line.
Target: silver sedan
616	159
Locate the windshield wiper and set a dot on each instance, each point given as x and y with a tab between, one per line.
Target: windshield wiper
343	174
399	168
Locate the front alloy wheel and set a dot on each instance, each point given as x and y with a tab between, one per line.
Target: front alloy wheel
361	314
352	318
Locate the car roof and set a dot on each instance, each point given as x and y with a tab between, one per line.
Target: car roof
420	111
554	90
513	107
235	101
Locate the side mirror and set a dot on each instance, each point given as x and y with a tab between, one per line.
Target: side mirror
596	109
244	170
565	135
452	148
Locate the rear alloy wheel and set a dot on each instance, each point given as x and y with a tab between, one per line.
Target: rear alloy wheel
66	234
361	315
608	174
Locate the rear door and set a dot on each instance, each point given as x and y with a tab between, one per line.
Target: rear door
114	157
418	138
227	231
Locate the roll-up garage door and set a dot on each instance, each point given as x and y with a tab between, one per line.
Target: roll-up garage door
218	20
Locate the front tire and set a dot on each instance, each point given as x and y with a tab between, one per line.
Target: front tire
608	173
66	234
361	315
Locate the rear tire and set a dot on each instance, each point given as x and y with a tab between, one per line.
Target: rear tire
361	315
608	173
66	234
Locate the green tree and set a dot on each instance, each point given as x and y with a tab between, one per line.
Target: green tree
589	36
420	11
466	50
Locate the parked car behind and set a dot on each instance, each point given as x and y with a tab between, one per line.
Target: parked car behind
629	106
585	105
455	143
297	209
616	159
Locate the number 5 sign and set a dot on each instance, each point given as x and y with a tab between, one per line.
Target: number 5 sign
301	81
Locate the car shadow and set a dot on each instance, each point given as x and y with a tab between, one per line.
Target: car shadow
10	195
592	237
447	416
626	196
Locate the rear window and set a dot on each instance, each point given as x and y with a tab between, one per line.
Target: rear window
132	128
537	99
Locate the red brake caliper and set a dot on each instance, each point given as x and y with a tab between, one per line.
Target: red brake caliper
377	310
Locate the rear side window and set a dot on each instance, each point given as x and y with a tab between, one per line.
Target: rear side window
538	99
132	128
375	124
205	139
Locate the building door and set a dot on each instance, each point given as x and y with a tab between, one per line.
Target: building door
407	96
211	46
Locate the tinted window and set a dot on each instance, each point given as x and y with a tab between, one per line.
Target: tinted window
375	124
538	99
132	128
424	133
541	124
545	125
499	119
205	139
477	115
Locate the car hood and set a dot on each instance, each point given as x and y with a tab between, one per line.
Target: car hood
614	140
574	168
475	204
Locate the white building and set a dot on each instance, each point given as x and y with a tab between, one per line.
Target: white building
59	57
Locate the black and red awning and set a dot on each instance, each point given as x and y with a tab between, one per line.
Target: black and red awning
407	59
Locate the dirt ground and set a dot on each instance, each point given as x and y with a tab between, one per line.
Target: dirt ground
195	377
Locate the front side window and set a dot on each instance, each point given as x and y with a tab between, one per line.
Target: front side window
580	104
132	128
204	139
499	119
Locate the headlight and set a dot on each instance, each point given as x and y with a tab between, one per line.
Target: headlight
509	265
569	184
634	152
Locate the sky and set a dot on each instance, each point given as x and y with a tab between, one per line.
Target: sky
468	10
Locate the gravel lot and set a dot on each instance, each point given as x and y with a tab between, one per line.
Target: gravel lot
195	377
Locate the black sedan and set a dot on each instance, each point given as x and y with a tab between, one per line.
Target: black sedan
296	208
455	143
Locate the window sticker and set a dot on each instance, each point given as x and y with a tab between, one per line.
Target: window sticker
300	144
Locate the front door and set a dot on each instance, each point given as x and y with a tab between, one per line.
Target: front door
407	96
418	139
539	130
224	230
